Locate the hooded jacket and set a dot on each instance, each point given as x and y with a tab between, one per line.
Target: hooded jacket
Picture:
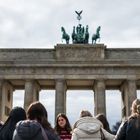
129	130
88	128
28	130
1	124
31	130
17	114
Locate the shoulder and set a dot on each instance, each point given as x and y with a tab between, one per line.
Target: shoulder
107	135
28	125
24	127
121	133
52	135
76	133
87	120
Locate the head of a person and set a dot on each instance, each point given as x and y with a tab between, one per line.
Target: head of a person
17	114
36	111
85	113
135	108
62	123
102	118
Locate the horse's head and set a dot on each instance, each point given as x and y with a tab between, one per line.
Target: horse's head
99	28
62	29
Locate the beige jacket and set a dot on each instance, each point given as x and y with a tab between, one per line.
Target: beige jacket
88	128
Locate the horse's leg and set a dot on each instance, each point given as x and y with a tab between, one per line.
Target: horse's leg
67	41
99	39
95	41
62	40
92	41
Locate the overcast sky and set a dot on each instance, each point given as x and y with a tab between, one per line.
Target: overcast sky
37	23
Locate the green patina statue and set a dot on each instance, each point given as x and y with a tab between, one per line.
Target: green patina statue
80	34
96	36
65	35
79	14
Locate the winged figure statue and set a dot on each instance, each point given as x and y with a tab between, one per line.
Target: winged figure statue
79	14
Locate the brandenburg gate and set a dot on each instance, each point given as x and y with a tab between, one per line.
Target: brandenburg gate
69	66
79	65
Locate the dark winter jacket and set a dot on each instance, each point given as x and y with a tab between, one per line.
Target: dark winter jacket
1	124
17	114
31	130
130	130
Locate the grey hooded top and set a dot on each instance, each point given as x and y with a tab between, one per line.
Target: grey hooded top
88	128
31	130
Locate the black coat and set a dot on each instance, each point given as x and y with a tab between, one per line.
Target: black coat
1	125
130	130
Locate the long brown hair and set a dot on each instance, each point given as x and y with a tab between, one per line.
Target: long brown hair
104	121
67	126
36	111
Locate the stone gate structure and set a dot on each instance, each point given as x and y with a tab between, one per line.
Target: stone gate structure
73	66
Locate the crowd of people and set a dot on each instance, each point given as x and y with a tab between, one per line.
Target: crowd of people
34	125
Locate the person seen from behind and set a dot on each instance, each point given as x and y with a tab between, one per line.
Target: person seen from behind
36	127
17	114
89	128
102	118
130	129
63	127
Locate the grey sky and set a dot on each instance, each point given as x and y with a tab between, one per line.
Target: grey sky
37	23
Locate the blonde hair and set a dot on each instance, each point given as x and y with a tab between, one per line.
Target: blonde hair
136	106
85	113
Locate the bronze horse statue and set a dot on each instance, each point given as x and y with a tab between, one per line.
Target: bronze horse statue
65	35
96	36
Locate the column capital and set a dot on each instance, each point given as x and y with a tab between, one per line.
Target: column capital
29	80
60	80
126	82
99	83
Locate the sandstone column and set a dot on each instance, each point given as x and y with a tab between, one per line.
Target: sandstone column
128	96
123	106
60	96
99	97
31	92
1	105
6	99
